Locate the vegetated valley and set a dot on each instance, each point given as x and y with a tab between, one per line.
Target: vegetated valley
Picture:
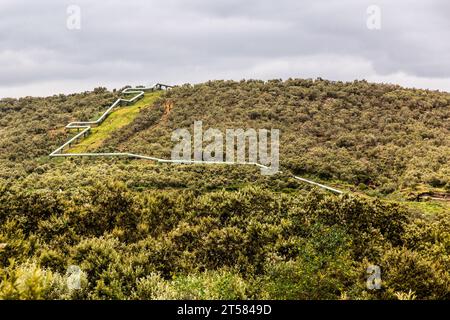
144	230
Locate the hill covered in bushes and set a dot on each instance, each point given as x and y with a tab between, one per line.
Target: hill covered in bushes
140	230
382	136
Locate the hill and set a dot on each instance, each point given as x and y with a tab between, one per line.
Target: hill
381	136
143	230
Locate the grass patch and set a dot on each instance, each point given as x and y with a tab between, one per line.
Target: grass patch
119	118
430	207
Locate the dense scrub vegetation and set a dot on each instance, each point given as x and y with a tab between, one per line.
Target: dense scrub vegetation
33	127
381	136
251	243
139	230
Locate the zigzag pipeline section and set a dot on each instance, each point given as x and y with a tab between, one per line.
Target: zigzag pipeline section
139	93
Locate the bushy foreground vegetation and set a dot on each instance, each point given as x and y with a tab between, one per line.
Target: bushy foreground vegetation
139	230
251	243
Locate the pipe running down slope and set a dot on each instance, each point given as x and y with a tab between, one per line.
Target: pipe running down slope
138	94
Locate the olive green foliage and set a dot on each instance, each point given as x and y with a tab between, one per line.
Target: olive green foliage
251	243
33	127
376	136
140	230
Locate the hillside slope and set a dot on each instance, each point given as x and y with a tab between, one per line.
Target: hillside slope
144	230
381	136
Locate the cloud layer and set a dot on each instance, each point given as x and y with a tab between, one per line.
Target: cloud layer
179	41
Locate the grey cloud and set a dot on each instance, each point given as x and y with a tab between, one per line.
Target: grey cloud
196	40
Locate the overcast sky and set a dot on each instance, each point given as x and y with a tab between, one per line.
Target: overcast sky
43	52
